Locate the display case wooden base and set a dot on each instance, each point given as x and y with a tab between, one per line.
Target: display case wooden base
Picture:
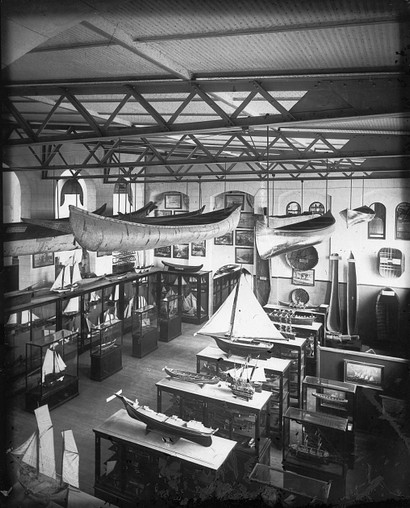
55	395
170	329
142	346
106	364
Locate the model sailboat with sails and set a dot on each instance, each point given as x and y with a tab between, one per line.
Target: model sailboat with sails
241	326
68	278
35	460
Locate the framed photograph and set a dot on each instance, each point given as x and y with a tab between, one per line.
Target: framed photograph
43	259
101	254
244	237
162	213
234	199
178	212
163	252
246	221
226	239
173	201
198	249
180	251
303	277
369	375
243	255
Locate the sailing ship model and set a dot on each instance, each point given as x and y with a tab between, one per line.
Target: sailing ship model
68	278
307	452
36	465
53	368
191	377
169	427
239	381
241	326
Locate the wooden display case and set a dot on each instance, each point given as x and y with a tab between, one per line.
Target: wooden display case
244	421
170	317
315	444
134	467
195	297
145	330
106	349
51	370
212	360
223	284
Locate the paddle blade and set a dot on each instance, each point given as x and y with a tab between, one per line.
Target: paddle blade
113	396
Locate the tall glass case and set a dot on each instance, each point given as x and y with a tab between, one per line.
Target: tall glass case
195	297
106	349
92	316
315	444
170	317
51	369
145	330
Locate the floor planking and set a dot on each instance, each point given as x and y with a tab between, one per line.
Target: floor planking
382	458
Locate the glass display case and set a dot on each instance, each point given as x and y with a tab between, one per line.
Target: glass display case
315	444
195	297
145	330
51	370
92	316
106	349
170	317
127	305
223	284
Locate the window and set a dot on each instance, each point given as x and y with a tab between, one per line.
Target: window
293	208
376	228
403	221
317	207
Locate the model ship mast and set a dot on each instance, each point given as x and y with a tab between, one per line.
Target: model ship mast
53	367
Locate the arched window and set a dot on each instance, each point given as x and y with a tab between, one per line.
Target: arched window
317	207
122	197
403	221
293	208
376	228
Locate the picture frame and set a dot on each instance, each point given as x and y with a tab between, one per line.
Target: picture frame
173	201
198	249
226	239
163	252
244	237
43	259
246	221
369	375
303	277
180	251
244	255
233	199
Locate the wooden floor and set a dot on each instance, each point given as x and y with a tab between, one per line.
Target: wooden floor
377	455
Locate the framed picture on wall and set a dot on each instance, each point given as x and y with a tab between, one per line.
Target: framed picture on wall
369	375
246	221
226	239
244	237
234	199
243	255
163	252
198	249
43	259
180	251
173	201
303	277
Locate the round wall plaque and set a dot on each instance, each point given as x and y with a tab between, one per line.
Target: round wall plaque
303	259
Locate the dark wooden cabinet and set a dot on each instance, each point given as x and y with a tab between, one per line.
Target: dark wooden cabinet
106	350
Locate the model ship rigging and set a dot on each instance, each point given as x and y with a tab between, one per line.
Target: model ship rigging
191	377
307	452
35	460
53	368
169	427
241	326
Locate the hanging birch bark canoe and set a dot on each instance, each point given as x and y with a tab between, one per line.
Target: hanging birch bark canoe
333	315
96	233
271	241
358	215
351	296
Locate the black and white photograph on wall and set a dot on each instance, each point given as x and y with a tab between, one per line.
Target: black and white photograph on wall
243	255
163	252
244	237
226	239
303	277
246	221
234	199
198	249
173	201
43	259
180	251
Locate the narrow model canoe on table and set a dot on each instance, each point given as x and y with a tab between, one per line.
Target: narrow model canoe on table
182	268
96	233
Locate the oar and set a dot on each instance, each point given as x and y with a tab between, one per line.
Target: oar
113	396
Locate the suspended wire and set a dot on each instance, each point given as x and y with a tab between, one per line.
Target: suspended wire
362	191
351	193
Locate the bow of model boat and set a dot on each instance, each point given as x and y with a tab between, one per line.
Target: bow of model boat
358	215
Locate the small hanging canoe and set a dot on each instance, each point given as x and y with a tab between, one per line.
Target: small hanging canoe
358	215
96	233
182	268
271	241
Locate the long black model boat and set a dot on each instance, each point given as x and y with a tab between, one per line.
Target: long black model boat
182	268
191	377
170	427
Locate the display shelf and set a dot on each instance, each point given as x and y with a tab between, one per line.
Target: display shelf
106	349
223	284
315	444
51	370
145	330
241	420
133	465
212	360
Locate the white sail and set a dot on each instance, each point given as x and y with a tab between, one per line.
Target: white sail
249	319
71	459
58	283
53	364
76	274
47	463
29	451
259	374
21	318
73	306
66	276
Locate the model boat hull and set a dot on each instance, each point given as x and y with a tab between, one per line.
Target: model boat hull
167	429
358	215
191	377
271	241
97	233
242	347
182	268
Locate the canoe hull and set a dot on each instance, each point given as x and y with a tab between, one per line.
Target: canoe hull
96	233
37	245
351	296
333	315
